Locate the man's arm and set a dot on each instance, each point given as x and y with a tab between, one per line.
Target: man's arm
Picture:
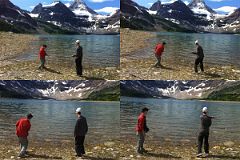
76	128
141	124
86	125
17	124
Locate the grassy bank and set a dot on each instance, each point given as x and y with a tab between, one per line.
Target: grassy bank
135	68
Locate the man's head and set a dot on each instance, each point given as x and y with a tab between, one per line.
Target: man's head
44	46
77	42
196	42
145	111
205	110
163	42
78	111
29	116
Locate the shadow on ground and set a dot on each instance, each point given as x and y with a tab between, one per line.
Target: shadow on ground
43	156
160	155
213	75
97	158
223	157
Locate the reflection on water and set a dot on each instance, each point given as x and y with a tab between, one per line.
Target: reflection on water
218	48
98	50
178	120
55	120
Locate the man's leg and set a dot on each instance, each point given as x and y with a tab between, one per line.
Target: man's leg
201	65
42	62
82	150
77	146
24	144
196	65
79	67
200	143
158	63
206	144
140	143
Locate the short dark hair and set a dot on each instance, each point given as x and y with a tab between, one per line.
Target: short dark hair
29	116
145	109
163	42
44	45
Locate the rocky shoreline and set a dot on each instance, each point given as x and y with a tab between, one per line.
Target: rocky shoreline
114	149
13	45
141	69
11	68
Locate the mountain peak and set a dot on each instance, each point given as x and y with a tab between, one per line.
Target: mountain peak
156	6
200	7
79	7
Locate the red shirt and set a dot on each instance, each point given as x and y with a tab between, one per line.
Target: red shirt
23	125
140	124
159	49
42	53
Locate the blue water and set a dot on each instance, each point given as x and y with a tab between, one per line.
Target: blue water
98	50
55	120
219	49
179	120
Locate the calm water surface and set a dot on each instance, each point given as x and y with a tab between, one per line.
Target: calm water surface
220	49
98	50
179	120
55	120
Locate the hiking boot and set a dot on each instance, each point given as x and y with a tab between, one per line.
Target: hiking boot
78	155
207	155
199	155
145	151
140	152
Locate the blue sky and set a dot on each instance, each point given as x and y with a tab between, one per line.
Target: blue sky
222	6
94	4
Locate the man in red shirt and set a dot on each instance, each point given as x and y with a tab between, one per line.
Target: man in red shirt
42	55
23	126
159	49
141	130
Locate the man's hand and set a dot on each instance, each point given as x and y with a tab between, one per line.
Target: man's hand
137	133
73	55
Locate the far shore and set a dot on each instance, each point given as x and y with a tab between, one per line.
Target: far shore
133	68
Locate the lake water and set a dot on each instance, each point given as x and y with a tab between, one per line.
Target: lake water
179	120
55	120
220	49
98	50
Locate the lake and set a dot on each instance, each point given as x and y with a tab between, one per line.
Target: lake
98	50
55	120
179	120
219	49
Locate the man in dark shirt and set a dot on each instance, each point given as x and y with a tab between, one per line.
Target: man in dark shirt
206	122
200	57
81	129
78	60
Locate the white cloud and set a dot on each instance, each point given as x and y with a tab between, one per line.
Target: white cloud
107	9
186	2
168	1
31	7
218	0
68	4
99	1
150	4
225	9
